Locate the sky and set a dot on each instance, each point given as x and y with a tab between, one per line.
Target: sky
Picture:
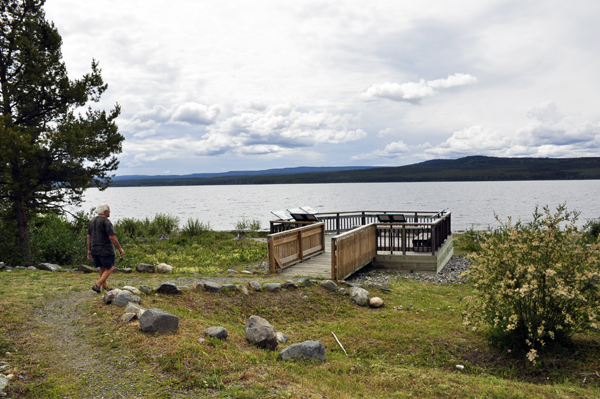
215	86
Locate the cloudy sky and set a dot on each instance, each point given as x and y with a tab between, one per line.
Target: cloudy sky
214	86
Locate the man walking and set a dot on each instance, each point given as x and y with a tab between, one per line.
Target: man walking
101	243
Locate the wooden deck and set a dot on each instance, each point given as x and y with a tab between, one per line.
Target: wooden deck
318	266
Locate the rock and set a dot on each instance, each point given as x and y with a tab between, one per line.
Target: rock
3	383
329	284
289	284
342	291
133	290
255	285
49	267
272	287
3	365
134	308
198	287
246	272
260	333
212	287
231	271
20	268
376	302
303	282
385	288
306	350
359	295
158	320
216	332
127	317
124	297
146	290
243	289
168	288
229	287
164	268
86	269
183	287
281	337
125	270
32	268
109	296
144	268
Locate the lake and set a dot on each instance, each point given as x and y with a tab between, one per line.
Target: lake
472	203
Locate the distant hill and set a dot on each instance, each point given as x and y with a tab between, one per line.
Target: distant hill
473	168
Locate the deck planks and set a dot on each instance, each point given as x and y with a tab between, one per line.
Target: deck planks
317	266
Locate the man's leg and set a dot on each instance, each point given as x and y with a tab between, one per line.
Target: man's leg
104	274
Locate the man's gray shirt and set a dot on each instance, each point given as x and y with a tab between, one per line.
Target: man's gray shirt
100	229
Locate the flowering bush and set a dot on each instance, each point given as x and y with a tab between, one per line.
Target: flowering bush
535	283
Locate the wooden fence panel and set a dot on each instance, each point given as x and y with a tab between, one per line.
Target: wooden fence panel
352	250
293	246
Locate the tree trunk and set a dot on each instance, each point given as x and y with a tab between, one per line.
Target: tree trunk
23	231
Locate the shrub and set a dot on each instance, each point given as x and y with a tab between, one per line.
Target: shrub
535	283
194	227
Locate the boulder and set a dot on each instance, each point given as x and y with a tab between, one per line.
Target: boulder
255	285
376	302
359	295
289	284
158	320
146	290
212	287
272	287
216	332
243	289
307	350
281	337
49	267
86	269
32	268
303	282
231	271
133	290
110	295
125	270
144	268
168	288
329	285
124	297
134	308
127	317
20	268
342	291
198	287
229	287
261	333
164	268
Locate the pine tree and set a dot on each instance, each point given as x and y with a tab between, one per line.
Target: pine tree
50	150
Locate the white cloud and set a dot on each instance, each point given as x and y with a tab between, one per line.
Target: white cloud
414	91
386	132
196	114
392	150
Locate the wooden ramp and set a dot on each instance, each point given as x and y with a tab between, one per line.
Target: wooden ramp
317	266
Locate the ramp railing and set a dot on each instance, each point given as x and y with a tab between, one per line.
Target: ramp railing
352	250
293	246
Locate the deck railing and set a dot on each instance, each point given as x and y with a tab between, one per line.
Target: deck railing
292	246
352	250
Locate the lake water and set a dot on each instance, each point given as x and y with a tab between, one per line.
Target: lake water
471	203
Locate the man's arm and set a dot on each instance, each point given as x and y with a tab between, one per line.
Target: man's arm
115	242
89	255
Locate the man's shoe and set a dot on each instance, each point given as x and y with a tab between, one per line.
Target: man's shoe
96	288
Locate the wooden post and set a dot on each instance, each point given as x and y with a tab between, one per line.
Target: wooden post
363	219
404	240
433	240
301	252
337	223
270	247
333	259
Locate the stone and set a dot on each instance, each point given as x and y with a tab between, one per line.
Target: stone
49	267
124	297
125	270
303	282
246	272
330	285
134	308
168	288
255	285
144	268
86	269
231	271
164	268
229	287
32	268
342	291
146	290
359	295
20	268
133	290
211	286
243	289
289	284
183	287
127	317
307	350
158	320
281	337
216	332
261	333
198	287
272	286
109	296
376	302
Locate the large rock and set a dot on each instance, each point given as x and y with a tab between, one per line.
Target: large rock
49	267
289	284
330	285
243	289
376	302
261	333
124	297
144	268
272	287
359	295
146	290
212	287
229	287
168	288
306	350
281	337
303	282
255	285
109	296
133	290
86	269
198	287
164	268
158	320
134	308
216	332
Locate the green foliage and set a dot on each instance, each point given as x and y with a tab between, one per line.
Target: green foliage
592	230
131	230
470	241
535	284
194	228
247	225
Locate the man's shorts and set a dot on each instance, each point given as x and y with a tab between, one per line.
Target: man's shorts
107	262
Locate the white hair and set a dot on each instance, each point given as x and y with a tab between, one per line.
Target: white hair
101	209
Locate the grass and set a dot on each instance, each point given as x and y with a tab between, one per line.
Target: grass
392	354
